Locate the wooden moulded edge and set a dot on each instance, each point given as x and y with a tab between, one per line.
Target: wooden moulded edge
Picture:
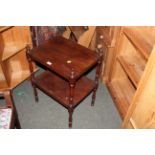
3	28
120	95
12	50
133	70
141	39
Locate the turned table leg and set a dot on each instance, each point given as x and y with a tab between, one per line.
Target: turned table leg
32	74
35	92
97	77
96	86
71	95
70	111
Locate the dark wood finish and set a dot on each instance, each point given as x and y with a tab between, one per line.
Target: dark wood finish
64	55
60	90
32	75
71	95
66	62
102	36
97	76
33	36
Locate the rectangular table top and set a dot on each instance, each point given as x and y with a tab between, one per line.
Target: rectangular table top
65	57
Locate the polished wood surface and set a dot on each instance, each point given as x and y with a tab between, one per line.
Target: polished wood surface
59	88
62	56
66	63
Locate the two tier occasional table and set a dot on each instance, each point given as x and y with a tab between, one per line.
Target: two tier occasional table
65	64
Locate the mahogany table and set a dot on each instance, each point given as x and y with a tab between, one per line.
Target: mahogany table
66	62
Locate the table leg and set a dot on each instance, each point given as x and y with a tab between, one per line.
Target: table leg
32	75
95	89
70	111
35	92
71	95
96	80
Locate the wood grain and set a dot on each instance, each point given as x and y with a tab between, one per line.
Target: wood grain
14	65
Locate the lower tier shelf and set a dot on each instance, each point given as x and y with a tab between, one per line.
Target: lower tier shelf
56	87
